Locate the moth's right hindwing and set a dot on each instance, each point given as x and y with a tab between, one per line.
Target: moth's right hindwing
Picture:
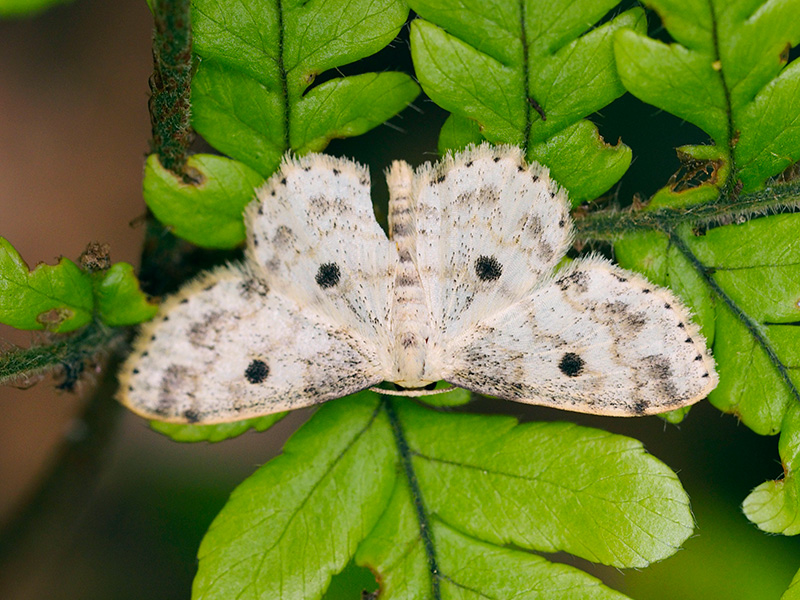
312	235
227	348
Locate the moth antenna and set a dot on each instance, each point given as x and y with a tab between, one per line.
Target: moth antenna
412	393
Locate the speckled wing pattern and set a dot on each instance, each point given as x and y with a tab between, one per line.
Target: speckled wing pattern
485	231
468	290
304	320
594	339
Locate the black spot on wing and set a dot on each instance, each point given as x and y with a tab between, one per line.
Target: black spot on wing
257	371
328	275
488	268
571	364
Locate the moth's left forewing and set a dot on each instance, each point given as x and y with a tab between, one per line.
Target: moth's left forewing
596	339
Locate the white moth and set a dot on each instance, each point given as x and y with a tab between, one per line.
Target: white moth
464	291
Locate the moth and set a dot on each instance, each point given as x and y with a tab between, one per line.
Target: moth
466	289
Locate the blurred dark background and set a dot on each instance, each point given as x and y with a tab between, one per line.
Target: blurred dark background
74	131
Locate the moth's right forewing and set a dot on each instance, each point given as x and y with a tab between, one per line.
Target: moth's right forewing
227	348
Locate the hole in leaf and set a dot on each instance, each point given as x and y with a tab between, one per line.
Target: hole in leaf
351	578
693	173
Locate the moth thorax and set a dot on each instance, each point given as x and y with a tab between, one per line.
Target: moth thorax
412	329
411	353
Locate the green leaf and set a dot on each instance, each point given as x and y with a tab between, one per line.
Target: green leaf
455	397
25	8
468	567
793	593
214	433
207	213
547	486
726	74
457	133
775	505
258	59
346	107
119	299
57	298
581	144
505	67
441	501
294	523
741	283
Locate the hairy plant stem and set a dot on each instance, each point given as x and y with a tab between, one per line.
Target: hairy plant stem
609	225
68	352
170	84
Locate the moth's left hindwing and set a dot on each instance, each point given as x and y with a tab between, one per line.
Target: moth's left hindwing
227	348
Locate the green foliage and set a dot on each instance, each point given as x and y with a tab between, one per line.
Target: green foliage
740	282
440	504
215	433
57	298
526	73
793	593
251	100
775	505
207	211
726	74
294	523
24	8
454	397
63	297
465	564
436	501
119	300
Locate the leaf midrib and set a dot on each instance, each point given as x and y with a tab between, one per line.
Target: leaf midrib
753	328
423	520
